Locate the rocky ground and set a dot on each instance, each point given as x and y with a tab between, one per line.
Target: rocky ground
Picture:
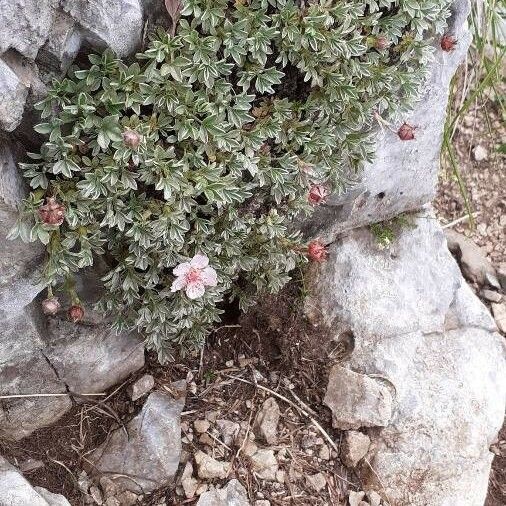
479	143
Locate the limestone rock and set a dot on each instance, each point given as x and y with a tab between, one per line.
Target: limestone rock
234	494
354	447
316	481
16	491
117	25
209	468
499	312
92	358
403	175
142	386
355	498
19	261
52	499
356	400
228	431
266	421
472	259
29	373
13	94
264	464
148	457
25	25
188	482
419	329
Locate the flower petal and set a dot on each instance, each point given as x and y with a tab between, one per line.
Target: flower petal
178	284
195	290
199	261
181	269
209	277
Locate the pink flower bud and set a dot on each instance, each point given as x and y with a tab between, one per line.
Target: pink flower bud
406	132
317	251
51	305
448	43
76	313
317	194
131	139
52	213
381	43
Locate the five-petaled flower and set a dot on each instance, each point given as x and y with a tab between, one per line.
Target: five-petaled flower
194	276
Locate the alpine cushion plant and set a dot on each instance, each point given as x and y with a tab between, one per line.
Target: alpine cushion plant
184	168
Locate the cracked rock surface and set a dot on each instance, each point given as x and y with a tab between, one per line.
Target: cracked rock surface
145	455
433	343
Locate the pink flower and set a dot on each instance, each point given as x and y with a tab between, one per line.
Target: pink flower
194	276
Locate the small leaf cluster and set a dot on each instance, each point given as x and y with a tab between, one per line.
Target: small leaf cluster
239	112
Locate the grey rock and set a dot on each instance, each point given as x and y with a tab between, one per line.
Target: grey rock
209	468
472	259
403	175
499	312
142	386
91	358
491	295
316	481
501	275
16	491
234	494
355	498
63	43
19	261
266	421
356	400
480	153
25	25
29	374
228	431
13	94
354	447
148	457
117	25
418	328
264	464
52	499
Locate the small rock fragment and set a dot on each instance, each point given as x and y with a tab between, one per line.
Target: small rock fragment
228	431
266	421
209	468
234	494
499	312
355	498
324	453
127	498
357	400
201	426
480	153
264	464
374	498
142	387
491	295
262	502
188	482
97	495
112	501
474	264
354	448
501	275
317	481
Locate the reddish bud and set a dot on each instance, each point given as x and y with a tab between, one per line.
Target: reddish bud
51	305
381	43
131	139
406	132
316	251
76	313
448	43
317	194
52	213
